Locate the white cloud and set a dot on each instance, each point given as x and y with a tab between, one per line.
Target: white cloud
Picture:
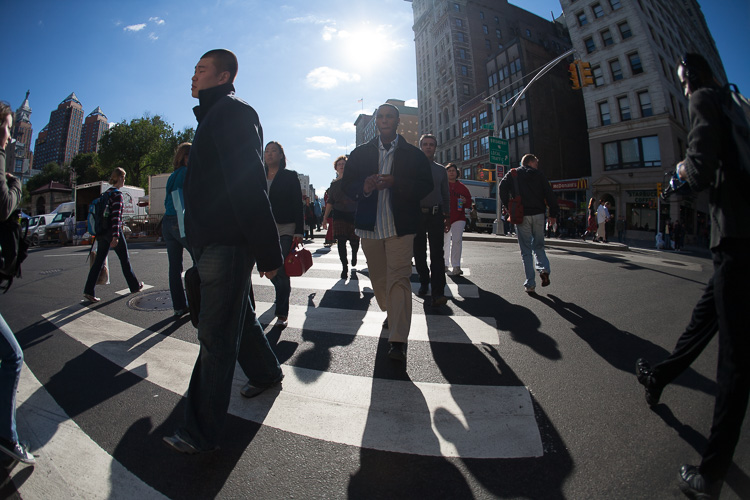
156	20
328	33
321	139
328	78
309	19
135	27
412	103
316	154
152	36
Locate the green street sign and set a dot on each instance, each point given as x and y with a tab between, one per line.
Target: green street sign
499	151
489	126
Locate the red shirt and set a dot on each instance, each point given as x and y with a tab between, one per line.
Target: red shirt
457	190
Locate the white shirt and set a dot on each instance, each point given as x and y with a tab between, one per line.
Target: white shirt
385	225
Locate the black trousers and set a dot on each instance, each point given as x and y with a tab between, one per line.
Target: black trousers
721	308
432	227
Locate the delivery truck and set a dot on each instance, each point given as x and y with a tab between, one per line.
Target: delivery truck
86	193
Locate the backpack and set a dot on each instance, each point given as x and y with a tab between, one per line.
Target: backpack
737	109
98	221
14	246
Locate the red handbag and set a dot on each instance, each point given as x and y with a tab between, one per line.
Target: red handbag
298	262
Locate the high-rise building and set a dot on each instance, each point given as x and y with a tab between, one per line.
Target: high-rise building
19	155
408	126
637	114
93	128
63	134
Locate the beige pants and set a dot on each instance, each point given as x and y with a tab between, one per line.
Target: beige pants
389	264
601	231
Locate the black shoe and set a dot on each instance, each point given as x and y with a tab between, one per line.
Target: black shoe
250	391
177	443
385	323
694	485
646	379
397	351
440	300
545	278
422	291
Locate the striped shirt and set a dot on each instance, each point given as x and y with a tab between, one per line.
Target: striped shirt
385	225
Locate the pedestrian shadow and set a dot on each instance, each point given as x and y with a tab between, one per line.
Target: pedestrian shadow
619	348
386	474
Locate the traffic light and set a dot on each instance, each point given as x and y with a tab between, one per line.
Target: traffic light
586	77
575	78
488	172
481	174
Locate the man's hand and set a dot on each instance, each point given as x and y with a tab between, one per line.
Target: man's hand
114	242
268	274
296	241
385	182
681	172
552	220
447	224
371	184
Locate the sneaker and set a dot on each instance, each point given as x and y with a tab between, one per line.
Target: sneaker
91	298
440	300
17	451
646	379
250	391
422	291
530	289
545	278
282	321
397	351
694	485
140	287
178	443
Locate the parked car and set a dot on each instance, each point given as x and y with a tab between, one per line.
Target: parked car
56	228
37	227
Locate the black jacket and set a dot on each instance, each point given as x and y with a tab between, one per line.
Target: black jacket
536	193
712	162
412	182
225	184
286	199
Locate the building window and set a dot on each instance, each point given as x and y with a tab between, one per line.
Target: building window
462	53
467	173
645	101
604	115
475	148
639	152
616	69
481	15
460	37
607	39
590	45
459	23
487	44
474	123
448	156
464	70
467	91
484	145
528	33
582	21
483	118
625	30
598	11
464	128
615	4
498	33
624	105
485	29
467	151
456	7
598	75
497	20
635	63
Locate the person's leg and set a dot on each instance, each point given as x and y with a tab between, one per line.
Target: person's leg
102	249
733	372
537	243
341	245
281	281
354	242
435	234
420	250
376	267
171	233
225	272
398	252
127	270
524	242
11	362
447	248
457	237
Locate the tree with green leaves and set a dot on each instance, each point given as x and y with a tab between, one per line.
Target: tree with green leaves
51	172
87	168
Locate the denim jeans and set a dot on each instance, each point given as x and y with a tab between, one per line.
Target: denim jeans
228	331
281	281
11	361
170	230
102	249
531	241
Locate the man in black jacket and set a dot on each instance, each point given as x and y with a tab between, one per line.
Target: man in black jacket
230	227
388	177
712	162
536	195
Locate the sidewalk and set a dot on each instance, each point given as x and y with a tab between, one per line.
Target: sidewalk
556	242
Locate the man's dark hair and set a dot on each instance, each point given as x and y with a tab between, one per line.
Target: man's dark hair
224	60
697	70
427	136
398	115
453	165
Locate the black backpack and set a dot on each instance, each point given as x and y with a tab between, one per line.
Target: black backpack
737	109
14	246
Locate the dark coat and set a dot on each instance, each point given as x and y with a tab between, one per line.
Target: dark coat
286	199
225	184
412	182
536	193
712	162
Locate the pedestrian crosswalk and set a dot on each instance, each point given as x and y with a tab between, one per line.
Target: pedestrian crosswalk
467	421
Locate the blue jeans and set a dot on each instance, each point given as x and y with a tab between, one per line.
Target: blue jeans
281	281
228	331
102	249
531	241
11	361
170	230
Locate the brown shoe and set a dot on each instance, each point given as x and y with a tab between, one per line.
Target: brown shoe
545	278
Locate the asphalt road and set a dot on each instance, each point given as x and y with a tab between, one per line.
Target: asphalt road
504	395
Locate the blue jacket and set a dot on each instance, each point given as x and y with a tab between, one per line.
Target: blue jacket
225	185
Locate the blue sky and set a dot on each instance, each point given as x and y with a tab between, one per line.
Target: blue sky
303	65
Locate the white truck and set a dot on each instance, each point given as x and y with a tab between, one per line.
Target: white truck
486	206
157	191
86	193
